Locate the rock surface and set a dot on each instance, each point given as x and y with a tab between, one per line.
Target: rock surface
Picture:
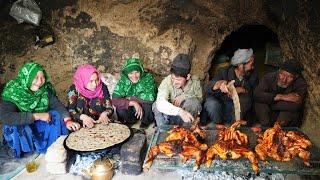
105	33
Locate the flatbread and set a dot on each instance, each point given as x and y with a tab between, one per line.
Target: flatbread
236	101
100	136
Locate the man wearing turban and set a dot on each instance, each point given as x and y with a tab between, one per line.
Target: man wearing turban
218	105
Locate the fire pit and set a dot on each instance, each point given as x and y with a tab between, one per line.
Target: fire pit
241	165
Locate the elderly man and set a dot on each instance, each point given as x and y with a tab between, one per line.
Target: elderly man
218	105
179	95
279	96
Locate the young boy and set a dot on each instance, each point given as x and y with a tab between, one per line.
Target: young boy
179	95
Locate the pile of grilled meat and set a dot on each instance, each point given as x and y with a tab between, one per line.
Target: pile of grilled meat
183	142
283	146
231	144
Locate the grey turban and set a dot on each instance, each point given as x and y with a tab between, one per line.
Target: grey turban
241	56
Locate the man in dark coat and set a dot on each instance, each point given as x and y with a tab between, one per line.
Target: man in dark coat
218	105
280	96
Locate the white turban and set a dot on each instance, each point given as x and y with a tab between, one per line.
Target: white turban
241	56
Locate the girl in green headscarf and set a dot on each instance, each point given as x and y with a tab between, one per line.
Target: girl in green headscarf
31	113
134	94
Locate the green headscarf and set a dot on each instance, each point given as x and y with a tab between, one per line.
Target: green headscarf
17	90
145	88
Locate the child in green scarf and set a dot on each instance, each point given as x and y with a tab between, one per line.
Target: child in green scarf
134	94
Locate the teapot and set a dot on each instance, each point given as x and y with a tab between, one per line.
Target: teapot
102	169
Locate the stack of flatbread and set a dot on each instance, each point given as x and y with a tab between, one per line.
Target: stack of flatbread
101	136
56	157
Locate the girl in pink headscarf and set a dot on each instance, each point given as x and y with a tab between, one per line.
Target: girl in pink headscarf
89	98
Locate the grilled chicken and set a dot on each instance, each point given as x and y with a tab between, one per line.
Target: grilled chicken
232	143
169	148
283	146
193	152
187	140
188	136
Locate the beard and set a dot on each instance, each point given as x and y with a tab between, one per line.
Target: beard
247	73
282	85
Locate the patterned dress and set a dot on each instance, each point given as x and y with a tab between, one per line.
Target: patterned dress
78	104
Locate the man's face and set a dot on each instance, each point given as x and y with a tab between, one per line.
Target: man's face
246	68
285	79
249	65
178	81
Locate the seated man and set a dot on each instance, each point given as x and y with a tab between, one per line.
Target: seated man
280	94
218	105
179	95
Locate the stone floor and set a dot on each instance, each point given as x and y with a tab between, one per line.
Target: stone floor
42	173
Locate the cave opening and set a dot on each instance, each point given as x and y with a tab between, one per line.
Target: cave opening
261	39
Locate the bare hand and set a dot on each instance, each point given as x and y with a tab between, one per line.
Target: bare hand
42	117
87	121
73	126
224	86
138	108
186	116
104	119
178	100
240	90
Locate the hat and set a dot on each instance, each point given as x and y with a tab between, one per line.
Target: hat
292	66
181	65
241	56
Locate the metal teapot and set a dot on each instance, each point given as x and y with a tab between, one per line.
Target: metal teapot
102	169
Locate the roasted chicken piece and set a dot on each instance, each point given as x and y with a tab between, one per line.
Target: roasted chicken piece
283	146
217	149
232	134
169	148
188	142
188	136
177	133
193	152
232	143
237	152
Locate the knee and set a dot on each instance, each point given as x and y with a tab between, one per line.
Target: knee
261	107
122	112
212	104
192	105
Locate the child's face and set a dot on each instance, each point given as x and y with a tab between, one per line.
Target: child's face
134	76
93	83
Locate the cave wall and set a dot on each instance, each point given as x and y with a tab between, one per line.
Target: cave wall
299	27
105	33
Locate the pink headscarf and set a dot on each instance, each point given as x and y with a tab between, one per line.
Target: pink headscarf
81	79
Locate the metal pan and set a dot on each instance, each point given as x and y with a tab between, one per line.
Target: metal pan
97	150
